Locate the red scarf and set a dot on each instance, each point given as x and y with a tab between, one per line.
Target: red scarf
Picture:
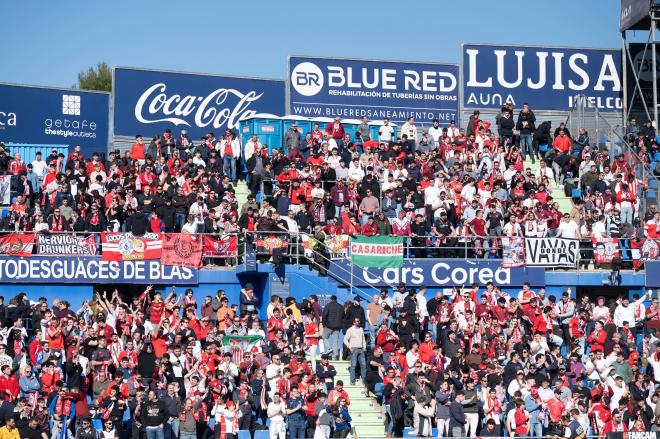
63	406
95	219
57	225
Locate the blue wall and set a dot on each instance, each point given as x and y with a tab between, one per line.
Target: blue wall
302	282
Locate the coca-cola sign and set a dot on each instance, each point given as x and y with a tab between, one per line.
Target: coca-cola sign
147	102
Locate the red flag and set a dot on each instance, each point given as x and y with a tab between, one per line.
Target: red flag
182	249
17	244
224	247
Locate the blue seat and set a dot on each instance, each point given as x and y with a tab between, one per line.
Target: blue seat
656	157
244	434
261	434
651	195
653	183
407	432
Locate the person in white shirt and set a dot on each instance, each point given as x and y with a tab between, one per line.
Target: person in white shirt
625	311
410	130
544	171
276	412
385	132
598	228
568	228
355	170
435	131
40	167
251	146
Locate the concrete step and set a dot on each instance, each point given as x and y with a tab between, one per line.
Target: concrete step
369	431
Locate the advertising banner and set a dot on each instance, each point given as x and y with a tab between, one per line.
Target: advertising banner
605	249
337	245
92	269
351	88
546	78
149	101
643	251
642	65
377	251
552	252
66	245
513	252
119	246
440	273
222	247
17	244
40	115
632	12
266	244
652	271
182	249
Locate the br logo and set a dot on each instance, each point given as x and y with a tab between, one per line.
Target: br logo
307	79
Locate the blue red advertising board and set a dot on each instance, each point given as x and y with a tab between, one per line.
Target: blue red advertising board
439	273
92	270
548	78
149	101
351	88
41	115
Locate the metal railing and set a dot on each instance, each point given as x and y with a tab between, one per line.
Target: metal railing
587	116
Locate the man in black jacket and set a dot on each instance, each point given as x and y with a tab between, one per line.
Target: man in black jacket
457	415
167	213
333	319
525	127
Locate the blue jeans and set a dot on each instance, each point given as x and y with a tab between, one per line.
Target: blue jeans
180	220
526	145
155	433
626	215
297	430
358	356
185	435
229	167
536	430
172	428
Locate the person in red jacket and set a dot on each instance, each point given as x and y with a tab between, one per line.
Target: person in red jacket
8	384
336	131
626	199
137	150
615	425
426	349
597	337
543	325
562	143
369	228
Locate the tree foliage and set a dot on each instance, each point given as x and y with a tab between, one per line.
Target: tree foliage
96	78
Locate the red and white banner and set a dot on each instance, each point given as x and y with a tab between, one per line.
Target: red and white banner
66	245
182	249
513	252
17	244
605	249
337	245
118	246
644	250
225	246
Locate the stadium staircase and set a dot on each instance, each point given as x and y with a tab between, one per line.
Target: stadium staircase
565	203
366	412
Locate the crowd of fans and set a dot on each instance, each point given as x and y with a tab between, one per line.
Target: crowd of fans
449	191
465	362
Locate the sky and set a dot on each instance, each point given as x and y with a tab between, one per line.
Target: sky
46	43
